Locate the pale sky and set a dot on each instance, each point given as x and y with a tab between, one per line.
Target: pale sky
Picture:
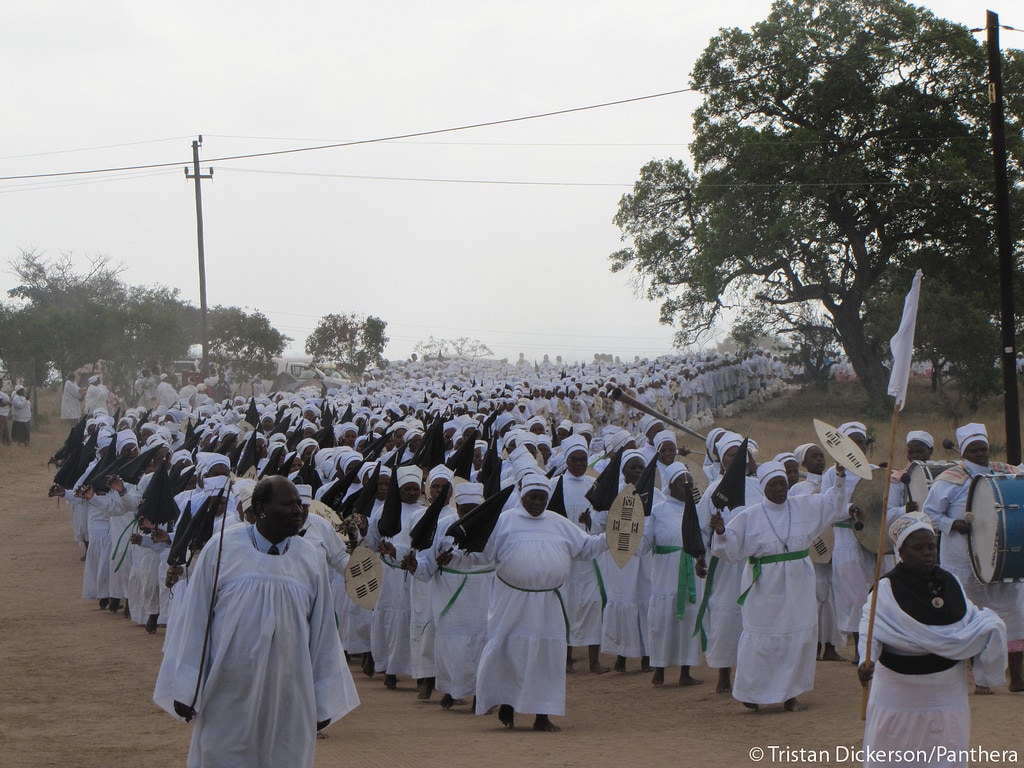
131	82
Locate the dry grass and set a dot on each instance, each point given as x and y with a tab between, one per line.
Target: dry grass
787	421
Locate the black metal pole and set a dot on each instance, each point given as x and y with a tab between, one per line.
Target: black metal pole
1004	241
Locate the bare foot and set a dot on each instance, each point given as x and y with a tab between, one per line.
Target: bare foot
507	716
447	702
754	707
620	663
792	705
982	690
391	682
151	623
645	664
570	667
598	669
658	678
367	666
724	682
687	680
831	654
1016	687
541	723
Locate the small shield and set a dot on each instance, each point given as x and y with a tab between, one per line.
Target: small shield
843	449
821	547
317	507
364	577
625	527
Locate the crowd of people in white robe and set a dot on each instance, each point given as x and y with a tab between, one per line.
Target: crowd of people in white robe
501	624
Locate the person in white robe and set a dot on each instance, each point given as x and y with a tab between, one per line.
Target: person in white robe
71	399
389	635
95	397
628	590
458	604
584	593
812	459
272	674
853	567
720	615
776	654
676	591
522	666
946	506
924	630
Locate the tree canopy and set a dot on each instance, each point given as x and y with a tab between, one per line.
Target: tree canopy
839	147
351	341
462	347
58	319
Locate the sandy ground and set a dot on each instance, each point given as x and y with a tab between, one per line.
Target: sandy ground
76	686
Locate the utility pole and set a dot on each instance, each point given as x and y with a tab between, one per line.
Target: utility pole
1004	240
194	173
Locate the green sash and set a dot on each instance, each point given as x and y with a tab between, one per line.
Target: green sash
708	581
465	578
686	590
558	594
757	562
600	585
842	524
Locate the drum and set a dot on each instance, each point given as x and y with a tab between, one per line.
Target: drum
920	476
869	495
996	541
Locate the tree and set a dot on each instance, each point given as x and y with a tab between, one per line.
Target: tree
352	342
242	341
60	319
836	142
462	347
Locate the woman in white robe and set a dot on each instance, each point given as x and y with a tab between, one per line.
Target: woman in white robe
675	590
522	666
722	617
780	629
925	628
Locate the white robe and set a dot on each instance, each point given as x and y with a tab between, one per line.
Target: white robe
389	634
459	612
776	652
274	666
523	662
584	599
670	638
920	712
723	620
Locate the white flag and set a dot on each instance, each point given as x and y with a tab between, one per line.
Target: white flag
902	344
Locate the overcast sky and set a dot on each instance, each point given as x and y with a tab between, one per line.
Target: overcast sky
516	219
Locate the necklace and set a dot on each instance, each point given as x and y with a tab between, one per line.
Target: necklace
789	526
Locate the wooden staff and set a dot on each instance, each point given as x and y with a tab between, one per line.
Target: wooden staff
618	394
883	531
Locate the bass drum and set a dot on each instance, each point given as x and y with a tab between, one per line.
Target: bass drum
920	476
996	541
869	496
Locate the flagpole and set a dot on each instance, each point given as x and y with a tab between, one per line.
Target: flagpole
902	347
883	531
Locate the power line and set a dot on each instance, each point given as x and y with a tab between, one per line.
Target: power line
91	149
489	123
436	180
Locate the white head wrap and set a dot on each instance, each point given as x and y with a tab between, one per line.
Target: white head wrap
408	475
305	493
534	481
769	470
243	490
920	436
905	525
440	471
574	443
469	493
673	471
971	433
852	427
665	436
800	452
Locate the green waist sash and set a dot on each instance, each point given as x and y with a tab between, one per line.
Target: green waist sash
686	590
465	577
843	524
757	562
558	594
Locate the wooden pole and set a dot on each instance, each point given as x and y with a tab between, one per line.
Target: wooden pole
883	532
